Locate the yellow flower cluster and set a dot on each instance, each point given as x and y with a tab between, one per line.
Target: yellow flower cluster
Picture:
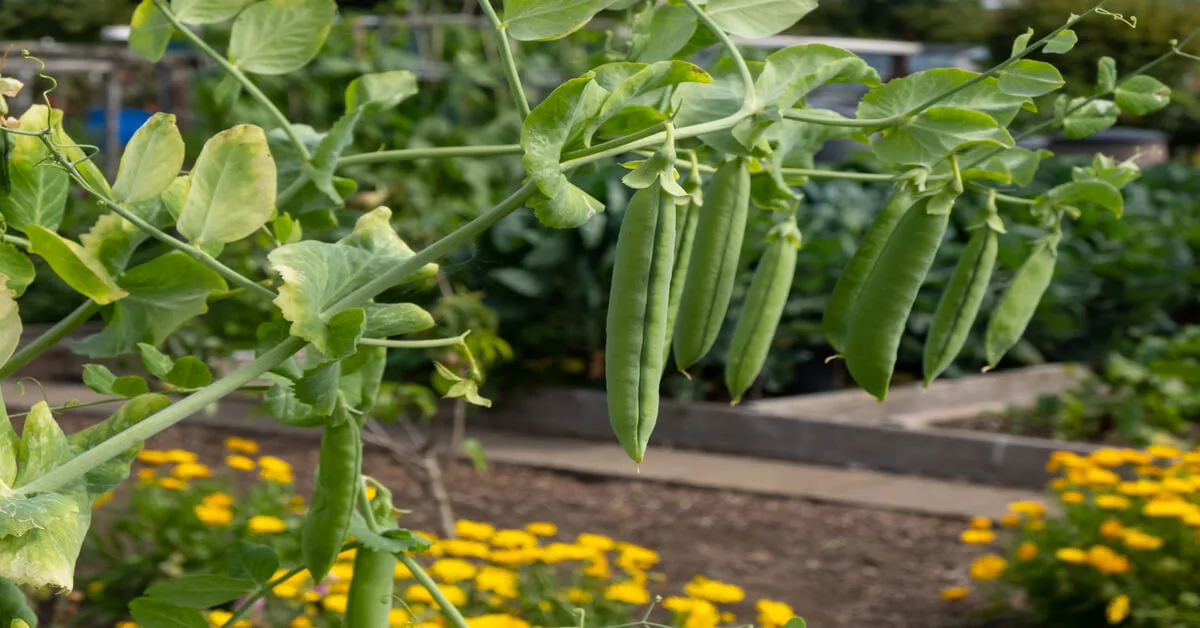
273	469
214	509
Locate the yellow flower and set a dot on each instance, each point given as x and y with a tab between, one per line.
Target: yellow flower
728	618
598	568
126	624
339	586
181	456
241	445
1111	529
474	530
213	516
1105	560
559	552
541	528
579	596
701	613
627	592
1137	539
347	556
1036	524
1166	508
988	567
103	499
371	491
502	582
146	476
1139	488
1112	502
418	593
241	463
1072	555
217	500
1102	477
595	541
1165	452
275	473
1028	508
274	464
464	548
335	602
636	558
1059	484
264	524
518	556
1107	457
1133	456
513	538
1073	497
342	571
398	617
153	457
1118	609
401	572
1149	469
452	570
955	593
1010	520
716	591
219	617
300	621
311	596
191	471
172	484
1182	486
772	614
496	620
977	537
1027	551
980	523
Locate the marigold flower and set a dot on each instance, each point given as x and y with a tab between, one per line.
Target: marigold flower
272	463
980	523
1117	609
1059	484
463	548
241	445
497	620
265	524
955	593
1107	561
1136	539
1102	477
181	456
126	624
977	537
398	617
1165	452
1112	529
541	528
172	484
559	552
636	558
1073	497
342	570
1061	459
191	471
468	529
1166	508
596	541
988	567
1182	486
278	476
513	539
598	568
1072	555
1148	470
1010	520
627	592
418	593
517	556
371	492
240	462
301	621
213	516
1139	488
217	500
772	614
335	602
1028	508
1107	457
703	588
452	570
1027	551
146	476
1112	502
502	582
401	572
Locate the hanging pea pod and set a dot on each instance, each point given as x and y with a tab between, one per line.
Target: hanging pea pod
686	217
339	469
710	277
885	301
1020	300
959	305
762	309
836	320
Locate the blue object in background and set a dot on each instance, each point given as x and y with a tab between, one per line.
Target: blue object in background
128	122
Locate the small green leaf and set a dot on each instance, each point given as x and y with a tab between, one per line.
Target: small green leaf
645	83
533	20
661	32
1021	42
154	361
1142	94
39	188
175	195
796	622
791	73
112	240
253	561
1093	191
758	18
99	378
206	11
1015	165
16	268
201	591
149	32
1106	75
319	388
280	36
934	134
380	90
360	377
232	188
282	403
74	265
130	386
1030	78
475	453
151	161
696	103
1091	119
344	331
189	372
153	613
335	142
286	230
1061	43
396	319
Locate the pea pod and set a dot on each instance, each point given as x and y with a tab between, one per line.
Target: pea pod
686	217
1020	300
637	316
369	600
710	276
881	310
328	520
959	305
14	605
836	320
6	146
762	310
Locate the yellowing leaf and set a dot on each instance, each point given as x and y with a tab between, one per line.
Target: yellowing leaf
39	187
149	32
152	160
280	36
206	11
232	188
75	265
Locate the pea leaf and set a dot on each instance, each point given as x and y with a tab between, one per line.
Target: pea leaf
700	102
16	269
360	375
36	512
281	402
318	274
1141	95
99	378
252	560
1106	169
111	474
1061	43
335	142
232	188
201	591
390	541
112	240
906	93
74	265
1030	78
189	372
1093	191
1106	75
152	160
280	36
533	20
39	188
1021	42
153	613
1089	120
149	32
380	90
163	294
661	32
934	134
791	73
154	361
10	329
649	81
206	11
758	18
1014	165
130	386
396	319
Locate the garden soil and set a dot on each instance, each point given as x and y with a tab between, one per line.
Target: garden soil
838	566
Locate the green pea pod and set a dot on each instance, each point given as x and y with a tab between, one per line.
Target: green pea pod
686	217
762	310
637	316
959	305
14	605
328	520
836	320
369	600
1020	300
881	310
711	274
6	146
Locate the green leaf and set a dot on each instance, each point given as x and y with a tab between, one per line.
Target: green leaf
696	103
286	229
1105	168
175	196
19	515
1106	75
344	331
282	403
84	161
10	328
163	294
153	613
667	29
934	134
335	142
903	94
253	561
189	372
206	11
380	90
532	20
318	274
646	83
390	541
232	189
360	376
74	265
796	622
39	188
99	378
318	388
758	18
1061	43
16	268
1093	191
1021	42
130	386
111	474
468	390
396	319
791	73
1091	119
10	445
201	591
154	361
280	36
43	445
112	240
1142	94
1030	78
45	557
152	160
149	32
1014	165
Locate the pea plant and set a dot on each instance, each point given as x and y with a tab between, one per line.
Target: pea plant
745	127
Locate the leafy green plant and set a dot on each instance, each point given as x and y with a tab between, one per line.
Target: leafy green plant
322	343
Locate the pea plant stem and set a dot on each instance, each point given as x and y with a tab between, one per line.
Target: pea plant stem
750	99
86	404
448	610
806	116
835	174
50	337
437	152
16	240
432	343
239	76
506	58
248	604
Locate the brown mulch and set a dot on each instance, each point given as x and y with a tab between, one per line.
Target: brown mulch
838	566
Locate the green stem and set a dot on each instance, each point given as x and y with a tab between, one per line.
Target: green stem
506	57
49	338
37	133
448	610
16	240
750	99
245	606
1014	200
437	152
835	174
616	144
237	74
135	434
293	189
432	343
98	402
802	116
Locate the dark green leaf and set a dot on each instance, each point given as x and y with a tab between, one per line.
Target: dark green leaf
1091	191
15	266
668	28
646	82
153	613
1106	75
39	188
253	561
200	591
1091	119
99	378
330	148
904	94
189	372
396	319
934	134
154	361
130	386
518	280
